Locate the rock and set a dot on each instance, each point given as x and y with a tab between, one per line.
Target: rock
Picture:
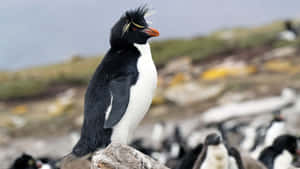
158	99
179	78
192	92
158	111
79	120
18	121
4	137
235	97
278	66
21	109
280	52
176	66
248	108
62	103
12	121
118	156
228	68
77	164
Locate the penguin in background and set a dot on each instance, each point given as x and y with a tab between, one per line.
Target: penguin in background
266	136
158	134
122	87
25	161
281	153
290	33
214	154
188	161
235	159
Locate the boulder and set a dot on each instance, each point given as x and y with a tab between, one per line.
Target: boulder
118	156
192	92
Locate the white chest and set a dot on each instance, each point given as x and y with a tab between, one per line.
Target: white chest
216	158
233	163
249	139
287	35
141	95
283	161
277	129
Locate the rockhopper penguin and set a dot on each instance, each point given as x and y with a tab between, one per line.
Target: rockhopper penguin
122	87
281	153
214	154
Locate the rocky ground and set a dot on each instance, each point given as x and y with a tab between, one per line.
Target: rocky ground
187	92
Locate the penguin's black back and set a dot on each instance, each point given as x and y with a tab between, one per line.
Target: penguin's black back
237	156
25	161
117	62
268	156
190	158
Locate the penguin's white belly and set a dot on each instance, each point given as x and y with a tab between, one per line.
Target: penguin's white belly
274	131
140	99
283	161
216	158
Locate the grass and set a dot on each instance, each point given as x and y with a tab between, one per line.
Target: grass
37	80
197	48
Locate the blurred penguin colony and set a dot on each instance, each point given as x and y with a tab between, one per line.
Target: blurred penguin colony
258	134
263	137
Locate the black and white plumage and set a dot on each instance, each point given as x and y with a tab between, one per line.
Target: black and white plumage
189	159
121	89
25	161
265	136
214	154
281	153
235	159
290	33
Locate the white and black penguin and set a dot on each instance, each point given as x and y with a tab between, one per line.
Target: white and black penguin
235	159
214	154
281	153
25	161
290	33
266	136
189	159
122	87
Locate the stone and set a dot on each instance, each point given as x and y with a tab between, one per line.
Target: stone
278	66
176	66
118	156
251	107
62	104
192	92
280	52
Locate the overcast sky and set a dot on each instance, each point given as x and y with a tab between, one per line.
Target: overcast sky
42	31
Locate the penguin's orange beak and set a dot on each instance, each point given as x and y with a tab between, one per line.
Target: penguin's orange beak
151	32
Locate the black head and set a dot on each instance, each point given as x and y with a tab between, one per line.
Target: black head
132	28
213	139
286	142
25	161
278	116
288	25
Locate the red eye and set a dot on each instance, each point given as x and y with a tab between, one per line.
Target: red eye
134	28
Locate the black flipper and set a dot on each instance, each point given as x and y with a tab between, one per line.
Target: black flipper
120	91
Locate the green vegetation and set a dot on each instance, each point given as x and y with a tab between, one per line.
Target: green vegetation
34	81
197	48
